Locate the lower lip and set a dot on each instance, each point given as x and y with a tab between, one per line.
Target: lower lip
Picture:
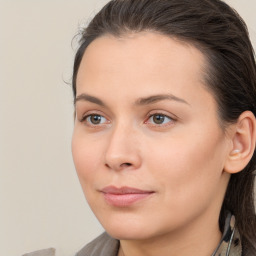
123	200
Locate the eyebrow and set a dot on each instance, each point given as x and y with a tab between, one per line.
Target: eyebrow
156	98
86	97
141	101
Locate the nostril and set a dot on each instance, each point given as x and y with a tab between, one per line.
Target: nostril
126	164
120	166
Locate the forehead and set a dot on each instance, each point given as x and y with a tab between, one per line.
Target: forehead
141	61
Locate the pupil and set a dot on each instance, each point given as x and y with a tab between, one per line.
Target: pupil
158	119
95	119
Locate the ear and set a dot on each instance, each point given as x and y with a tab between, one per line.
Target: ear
243	138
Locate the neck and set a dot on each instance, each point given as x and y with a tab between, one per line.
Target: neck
197	238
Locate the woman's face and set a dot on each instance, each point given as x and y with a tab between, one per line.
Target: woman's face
147	145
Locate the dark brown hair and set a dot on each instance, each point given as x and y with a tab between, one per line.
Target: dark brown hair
221	35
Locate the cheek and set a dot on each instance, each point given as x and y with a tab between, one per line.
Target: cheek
188	166
85	159
189	179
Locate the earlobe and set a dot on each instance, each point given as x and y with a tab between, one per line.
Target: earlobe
243	143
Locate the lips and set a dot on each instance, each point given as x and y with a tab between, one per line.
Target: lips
124	196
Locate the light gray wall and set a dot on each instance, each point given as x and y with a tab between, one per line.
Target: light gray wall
41	203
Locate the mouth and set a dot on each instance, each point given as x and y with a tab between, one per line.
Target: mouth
124	196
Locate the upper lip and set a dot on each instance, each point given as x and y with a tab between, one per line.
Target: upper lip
124	190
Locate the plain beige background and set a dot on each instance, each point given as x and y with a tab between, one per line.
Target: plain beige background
41	202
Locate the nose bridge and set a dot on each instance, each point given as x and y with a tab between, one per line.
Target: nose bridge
123	148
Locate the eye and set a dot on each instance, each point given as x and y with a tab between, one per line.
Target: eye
94	119
159	119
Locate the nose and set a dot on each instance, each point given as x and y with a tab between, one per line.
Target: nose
122	151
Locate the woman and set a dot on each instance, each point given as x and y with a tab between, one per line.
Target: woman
165	130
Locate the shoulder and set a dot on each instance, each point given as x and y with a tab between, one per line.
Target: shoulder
44	252
103	245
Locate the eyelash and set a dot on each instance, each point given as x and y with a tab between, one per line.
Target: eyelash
150	116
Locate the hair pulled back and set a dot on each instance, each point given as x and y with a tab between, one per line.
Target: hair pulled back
221	35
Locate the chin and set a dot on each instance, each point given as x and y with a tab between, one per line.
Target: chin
129	229
127	234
